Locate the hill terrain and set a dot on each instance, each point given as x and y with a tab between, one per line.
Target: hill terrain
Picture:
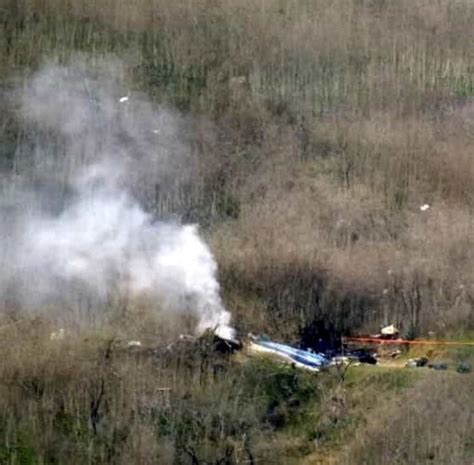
325	149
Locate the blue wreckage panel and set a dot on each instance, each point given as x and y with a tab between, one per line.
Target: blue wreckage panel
300	357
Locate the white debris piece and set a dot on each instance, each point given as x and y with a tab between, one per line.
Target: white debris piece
134	344
424	207
390	331
57	335
156	131
123	99
225	332
341	360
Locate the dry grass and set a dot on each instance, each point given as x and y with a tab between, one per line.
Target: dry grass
90	398
413	416
318	130
431	423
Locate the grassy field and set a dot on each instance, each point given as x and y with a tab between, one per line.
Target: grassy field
318	132
315	131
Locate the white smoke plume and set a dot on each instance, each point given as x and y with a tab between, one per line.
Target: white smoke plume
72	221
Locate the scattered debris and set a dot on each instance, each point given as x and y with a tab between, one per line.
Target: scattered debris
387	332
364	356
209	342
438	366
390	332
134	344
224	332
300	358
58	335
321	348
463	367
224	345
417	362
344	360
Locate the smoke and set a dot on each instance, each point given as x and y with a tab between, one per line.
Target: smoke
73	223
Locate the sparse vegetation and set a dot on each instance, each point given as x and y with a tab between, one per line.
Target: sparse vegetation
316	131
